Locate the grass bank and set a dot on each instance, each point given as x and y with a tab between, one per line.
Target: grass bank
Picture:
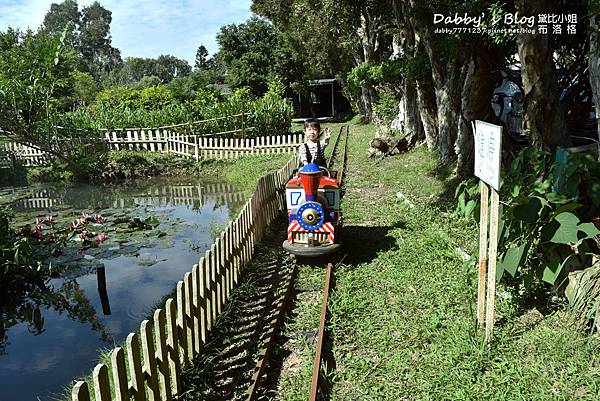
402	313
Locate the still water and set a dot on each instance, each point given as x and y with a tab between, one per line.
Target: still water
50	334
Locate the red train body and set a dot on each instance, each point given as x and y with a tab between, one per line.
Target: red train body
313	205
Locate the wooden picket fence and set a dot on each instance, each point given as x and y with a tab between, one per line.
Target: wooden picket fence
177	333
199	146
12	153
162	141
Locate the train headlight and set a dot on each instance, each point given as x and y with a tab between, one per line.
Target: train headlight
311	216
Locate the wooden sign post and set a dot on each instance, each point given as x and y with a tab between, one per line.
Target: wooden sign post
488	145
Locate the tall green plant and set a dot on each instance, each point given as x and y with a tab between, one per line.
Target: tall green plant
542	235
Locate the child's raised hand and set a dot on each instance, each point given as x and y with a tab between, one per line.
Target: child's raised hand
327	132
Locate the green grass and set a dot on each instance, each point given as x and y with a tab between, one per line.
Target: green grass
402	313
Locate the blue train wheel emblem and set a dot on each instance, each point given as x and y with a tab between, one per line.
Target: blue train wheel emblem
310	216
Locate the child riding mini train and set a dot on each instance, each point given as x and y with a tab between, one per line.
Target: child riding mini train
313	200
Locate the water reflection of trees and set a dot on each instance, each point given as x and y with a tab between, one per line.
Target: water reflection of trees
23	300
132	194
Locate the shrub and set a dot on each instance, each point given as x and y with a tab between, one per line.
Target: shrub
544	233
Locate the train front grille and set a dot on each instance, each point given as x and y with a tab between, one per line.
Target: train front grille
317	238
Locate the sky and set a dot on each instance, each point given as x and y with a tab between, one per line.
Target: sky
143	28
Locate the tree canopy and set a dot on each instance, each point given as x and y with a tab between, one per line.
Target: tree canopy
255	52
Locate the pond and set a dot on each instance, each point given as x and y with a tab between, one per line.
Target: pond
156	229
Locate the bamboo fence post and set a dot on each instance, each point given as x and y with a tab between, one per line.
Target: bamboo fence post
181	324
80	392
149	360
119	373
213	282
217	275
196	308
483	233
208	286
491	291
135	367
162	355
187	286
202	298
172	346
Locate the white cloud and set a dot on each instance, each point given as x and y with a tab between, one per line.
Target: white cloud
142	28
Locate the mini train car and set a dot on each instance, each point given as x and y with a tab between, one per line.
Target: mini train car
313	205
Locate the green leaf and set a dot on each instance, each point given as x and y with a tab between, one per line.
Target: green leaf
461	202
513	258
589	229
567	229
515	190
557	198
551	270
567	218
469	208
153	221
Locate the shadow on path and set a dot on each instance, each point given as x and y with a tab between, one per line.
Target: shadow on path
223	370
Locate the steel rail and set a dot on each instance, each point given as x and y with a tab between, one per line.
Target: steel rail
314	389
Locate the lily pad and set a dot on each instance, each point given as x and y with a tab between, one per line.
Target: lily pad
148	262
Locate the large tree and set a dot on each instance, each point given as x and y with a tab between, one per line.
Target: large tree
201	58
253	53
59	16
332	37
95	40
34	70
544	118
165	68
88	31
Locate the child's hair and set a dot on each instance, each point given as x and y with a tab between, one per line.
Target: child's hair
312	122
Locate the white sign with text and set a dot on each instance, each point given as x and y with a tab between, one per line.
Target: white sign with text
488	145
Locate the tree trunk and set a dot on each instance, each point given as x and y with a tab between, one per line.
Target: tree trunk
428	113
476	105
367	99
447	77
544	117
594	68
412	127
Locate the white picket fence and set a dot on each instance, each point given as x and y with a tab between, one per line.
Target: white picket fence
164	141
177	333
197	146
11	152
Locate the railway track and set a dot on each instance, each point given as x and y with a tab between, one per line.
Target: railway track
337	159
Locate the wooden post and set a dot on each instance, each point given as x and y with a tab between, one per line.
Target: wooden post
101	277
491	290
483	233
101	383
332	100
488	146
243	116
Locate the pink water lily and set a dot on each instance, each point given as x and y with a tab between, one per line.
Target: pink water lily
49	219
99	218
101	237
82	235
75	224
37	232
84	216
